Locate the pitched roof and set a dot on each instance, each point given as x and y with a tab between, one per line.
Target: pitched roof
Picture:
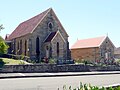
50	37
87	43
28	26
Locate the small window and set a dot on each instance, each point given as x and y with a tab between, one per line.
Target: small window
18	46
50	25
57	49
25	47
37	46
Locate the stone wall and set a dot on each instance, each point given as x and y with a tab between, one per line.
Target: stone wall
107	51
56	68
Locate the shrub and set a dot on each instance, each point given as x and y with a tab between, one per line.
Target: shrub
3	46
52	61
22	57
78	61
1	63
117	61
89	87
117	88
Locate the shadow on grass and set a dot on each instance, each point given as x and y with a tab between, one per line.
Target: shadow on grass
1	63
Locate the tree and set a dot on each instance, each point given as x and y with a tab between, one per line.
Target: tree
3	46
1	27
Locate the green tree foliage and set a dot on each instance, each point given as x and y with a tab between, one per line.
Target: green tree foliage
1	39
1	27
3	46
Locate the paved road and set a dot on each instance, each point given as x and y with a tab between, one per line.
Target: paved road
52	83
25	75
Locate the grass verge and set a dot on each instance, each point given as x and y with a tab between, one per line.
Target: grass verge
13	61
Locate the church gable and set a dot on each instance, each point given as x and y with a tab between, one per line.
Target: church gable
58	36
58	45
107	42
48	25
57	21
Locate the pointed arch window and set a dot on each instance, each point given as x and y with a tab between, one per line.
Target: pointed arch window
20	46
50	25
25	47
37	45
57	49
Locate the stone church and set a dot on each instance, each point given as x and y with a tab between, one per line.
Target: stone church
41	36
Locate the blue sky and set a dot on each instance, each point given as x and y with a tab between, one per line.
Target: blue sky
80	18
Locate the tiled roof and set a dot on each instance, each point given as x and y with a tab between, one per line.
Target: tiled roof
28	26
50	37
87	43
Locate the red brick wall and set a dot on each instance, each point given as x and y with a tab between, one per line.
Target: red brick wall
91	54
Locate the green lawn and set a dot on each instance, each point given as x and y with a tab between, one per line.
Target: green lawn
13	61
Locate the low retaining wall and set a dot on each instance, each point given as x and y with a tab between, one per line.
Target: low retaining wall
104	68
56	68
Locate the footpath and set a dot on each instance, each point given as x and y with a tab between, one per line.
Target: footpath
59	74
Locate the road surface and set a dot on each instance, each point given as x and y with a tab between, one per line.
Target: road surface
53	83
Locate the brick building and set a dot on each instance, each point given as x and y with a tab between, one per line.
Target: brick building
41	36
99	49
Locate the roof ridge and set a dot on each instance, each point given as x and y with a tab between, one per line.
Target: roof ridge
50	36
35	16
91	38
90	42
48	10
103	40
29	25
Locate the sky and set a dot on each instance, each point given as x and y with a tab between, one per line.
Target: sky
81	18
